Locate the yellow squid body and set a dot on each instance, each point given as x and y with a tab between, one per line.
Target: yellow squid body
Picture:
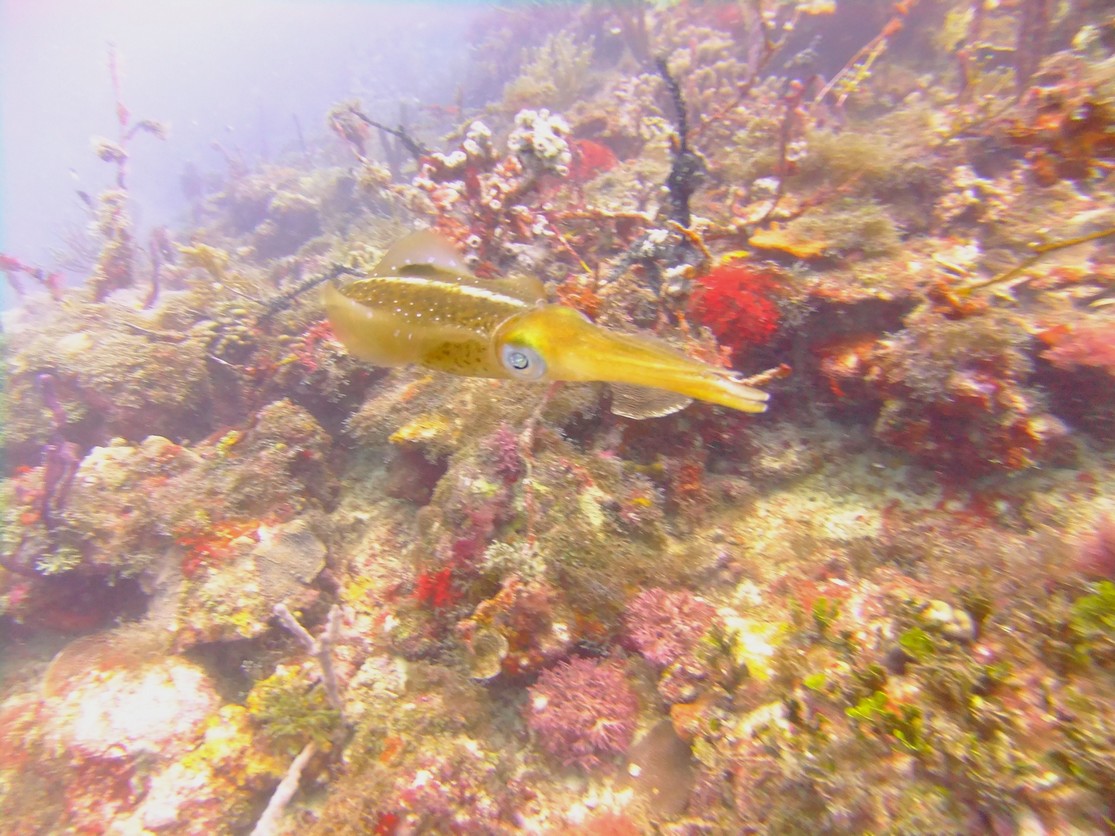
422	306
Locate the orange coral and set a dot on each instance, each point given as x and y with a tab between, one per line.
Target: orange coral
779	238
1090	344
578	292
589	159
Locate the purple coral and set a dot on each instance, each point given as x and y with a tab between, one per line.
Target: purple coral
582	711
664	626
502	451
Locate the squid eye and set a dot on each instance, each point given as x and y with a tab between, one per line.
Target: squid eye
522	362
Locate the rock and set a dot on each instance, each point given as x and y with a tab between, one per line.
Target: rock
951	622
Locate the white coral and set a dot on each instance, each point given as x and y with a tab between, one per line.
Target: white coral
539	142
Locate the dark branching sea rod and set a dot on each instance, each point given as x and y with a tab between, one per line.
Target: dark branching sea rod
421	305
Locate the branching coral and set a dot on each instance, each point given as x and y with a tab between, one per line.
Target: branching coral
558	74
583	711
665	625
12	267
291	716
115	268
484	199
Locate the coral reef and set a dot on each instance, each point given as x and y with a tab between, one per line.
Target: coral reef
249	581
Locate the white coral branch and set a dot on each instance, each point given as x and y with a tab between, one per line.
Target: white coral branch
320	648
268	823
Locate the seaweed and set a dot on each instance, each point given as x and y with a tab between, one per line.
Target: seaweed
290	715
557	75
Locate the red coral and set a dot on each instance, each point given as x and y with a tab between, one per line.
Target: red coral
664	626
589	159
305	350
386	824
435	589
12	267
501	449
454	788
735	302
583	711
215	544
522	612
954	394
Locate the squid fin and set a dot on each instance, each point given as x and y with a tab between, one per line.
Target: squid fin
371	335
639	402
423	252
428	254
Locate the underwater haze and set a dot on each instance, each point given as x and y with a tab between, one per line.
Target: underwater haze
569	418
248	76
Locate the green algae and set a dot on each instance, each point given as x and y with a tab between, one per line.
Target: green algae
1094	614
917	643
290	715
1092	621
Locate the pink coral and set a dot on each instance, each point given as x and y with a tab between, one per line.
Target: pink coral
12	267
456	789
1095	556
1090	344
582	711
665	626
501	449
